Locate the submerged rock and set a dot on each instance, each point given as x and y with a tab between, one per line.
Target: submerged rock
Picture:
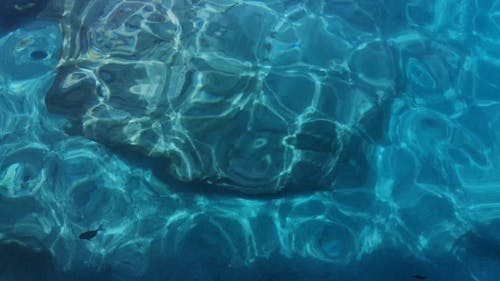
234	95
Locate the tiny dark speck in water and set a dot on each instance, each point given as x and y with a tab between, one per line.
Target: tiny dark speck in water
38	55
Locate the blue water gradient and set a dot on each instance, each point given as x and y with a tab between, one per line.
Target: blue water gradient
251	140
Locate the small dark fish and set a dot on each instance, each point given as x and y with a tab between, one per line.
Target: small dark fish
420	277
90	234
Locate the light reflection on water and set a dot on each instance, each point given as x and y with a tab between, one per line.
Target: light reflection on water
429	201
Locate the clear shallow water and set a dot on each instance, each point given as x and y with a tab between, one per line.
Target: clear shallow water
252	140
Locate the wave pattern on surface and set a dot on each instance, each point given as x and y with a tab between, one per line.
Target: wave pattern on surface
173	80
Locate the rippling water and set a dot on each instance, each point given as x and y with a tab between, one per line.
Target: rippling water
250	140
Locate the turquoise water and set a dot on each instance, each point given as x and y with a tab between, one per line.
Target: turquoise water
250	140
